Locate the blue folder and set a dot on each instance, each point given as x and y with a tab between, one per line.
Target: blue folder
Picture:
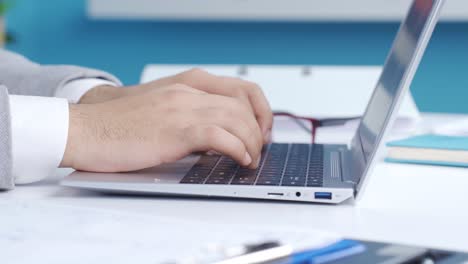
339	250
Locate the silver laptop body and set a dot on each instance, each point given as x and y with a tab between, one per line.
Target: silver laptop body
345	169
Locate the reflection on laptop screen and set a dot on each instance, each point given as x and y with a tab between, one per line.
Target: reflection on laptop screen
393	74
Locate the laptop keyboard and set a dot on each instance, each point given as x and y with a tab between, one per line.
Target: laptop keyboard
280	165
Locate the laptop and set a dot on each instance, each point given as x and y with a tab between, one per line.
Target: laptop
294	172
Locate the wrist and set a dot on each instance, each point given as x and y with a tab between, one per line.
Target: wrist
79	120
102	93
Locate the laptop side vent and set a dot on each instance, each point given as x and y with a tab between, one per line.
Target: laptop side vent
335	165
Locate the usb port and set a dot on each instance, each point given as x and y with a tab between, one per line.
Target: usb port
323	195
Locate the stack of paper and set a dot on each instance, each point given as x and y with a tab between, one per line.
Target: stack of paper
430	150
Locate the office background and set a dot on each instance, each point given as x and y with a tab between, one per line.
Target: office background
59	32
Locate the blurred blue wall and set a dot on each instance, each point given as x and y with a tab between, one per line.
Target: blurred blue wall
58	31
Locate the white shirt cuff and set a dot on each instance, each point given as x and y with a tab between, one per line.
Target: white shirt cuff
74	90
39	128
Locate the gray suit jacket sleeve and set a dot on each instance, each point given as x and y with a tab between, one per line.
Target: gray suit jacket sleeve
20	76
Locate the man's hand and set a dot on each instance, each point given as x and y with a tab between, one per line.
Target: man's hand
246	92
155	126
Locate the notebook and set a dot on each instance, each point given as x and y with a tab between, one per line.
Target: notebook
431	150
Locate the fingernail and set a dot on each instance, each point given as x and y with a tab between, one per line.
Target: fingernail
247	159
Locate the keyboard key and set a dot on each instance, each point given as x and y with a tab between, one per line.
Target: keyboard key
280	164
242	182
315	172
224	172
200	171
217	181
268	181
191	180
195	176
245	177
293	183
295	172
314	183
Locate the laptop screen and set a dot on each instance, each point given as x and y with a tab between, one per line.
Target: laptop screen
396	74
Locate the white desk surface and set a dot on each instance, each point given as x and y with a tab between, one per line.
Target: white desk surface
419	205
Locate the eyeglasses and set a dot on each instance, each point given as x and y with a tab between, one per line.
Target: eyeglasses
314	122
